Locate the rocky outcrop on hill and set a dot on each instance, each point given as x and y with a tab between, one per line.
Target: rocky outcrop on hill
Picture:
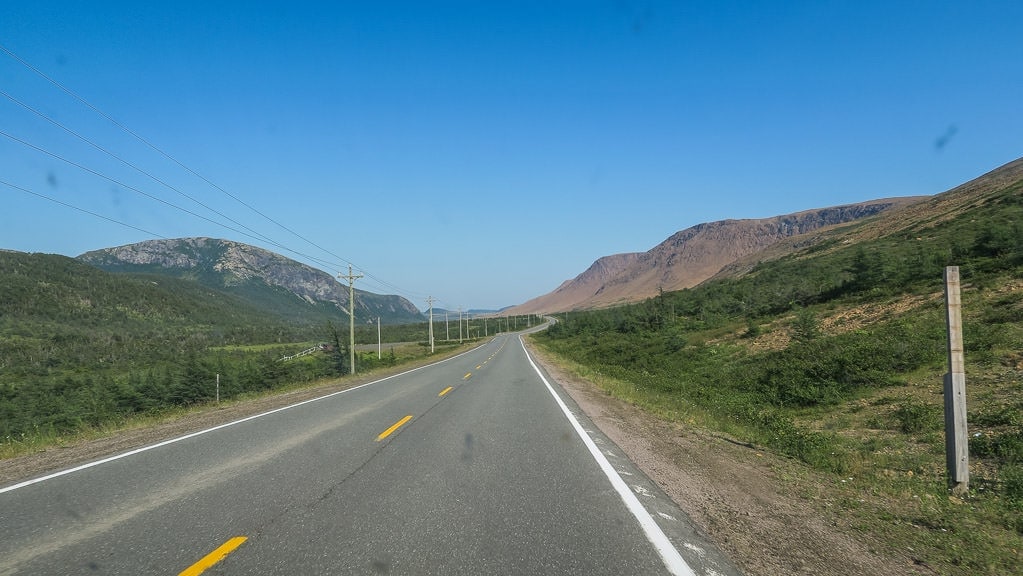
227	264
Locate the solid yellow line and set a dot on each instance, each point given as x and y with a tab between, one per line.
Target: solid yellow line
394	427
467	375
446	390
214	557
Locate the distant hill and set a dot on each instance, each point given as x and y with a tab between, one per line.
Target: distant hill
262	278
59	314
691	256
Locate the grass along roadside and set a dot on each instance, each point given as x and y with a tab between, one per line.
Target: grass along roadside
36	453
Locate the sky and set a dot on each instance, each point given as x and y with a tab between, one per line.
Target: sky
484	152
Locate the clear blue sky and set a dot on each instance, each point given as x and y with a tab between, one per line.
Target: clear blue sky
484	152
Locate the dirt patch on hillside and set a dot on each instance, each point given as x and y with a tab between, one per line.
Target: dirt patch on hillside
859	317
769	514
777	335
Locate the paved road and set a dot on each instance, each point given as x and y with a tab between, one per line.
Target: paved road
469	466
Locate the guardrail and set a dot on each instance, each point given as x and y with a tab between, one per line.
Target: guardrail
302	353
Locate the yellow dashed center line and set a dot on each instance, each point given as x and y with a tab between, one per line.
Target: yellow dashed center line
467	376
213	557
446	390
393	428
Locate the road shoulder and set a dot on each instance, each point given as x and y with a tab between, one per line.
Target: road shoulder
767	513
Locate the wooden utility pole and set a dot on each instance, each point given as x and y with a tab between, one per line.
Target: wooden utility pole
429	302
957	452
351	314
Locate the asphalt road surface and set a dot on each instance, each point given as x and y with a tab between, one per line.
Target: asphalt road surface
479	464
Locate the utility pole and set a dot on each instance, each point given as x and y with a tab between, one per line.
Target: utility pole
351	314
379	355
447	328
459	324
429	302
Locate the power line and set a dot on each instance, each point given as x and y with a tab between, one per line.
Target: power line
129	164
160	151
85	211
155	198
122	184
73	207
150	145
89	212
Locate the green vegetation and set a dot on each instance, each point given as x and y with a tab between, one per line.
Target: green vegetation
834	356
85	349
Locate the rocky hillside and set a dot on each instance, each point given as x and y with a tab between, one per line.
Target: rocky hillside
572	293
258	275
691	256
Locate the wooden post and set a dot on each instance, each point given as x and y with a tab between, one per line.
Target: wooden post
957	453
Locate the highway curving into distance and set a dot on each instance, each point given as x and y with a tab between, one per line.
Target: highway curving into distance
479	464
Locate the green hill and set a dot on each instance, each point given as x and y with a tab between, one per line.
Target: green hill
269	281
82	347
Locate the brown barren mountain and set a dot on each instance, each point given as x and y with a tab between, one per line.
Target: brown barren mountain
929	211
691	256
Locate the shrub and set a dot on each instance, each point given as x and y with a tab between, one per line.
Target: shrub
805	328
1012	483
914	417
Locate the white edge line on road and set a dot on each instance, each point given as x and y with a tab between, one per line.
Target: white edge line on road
207	430
673	561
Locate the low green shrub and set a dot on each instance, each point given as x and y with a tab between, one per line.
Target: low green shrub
915	417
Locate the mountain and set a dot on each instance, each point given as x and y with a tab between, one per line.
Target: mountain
911	220
573	293
691	256
261	277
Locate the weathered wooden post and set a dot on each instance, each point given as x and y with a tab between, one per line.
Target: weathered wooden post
957	453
